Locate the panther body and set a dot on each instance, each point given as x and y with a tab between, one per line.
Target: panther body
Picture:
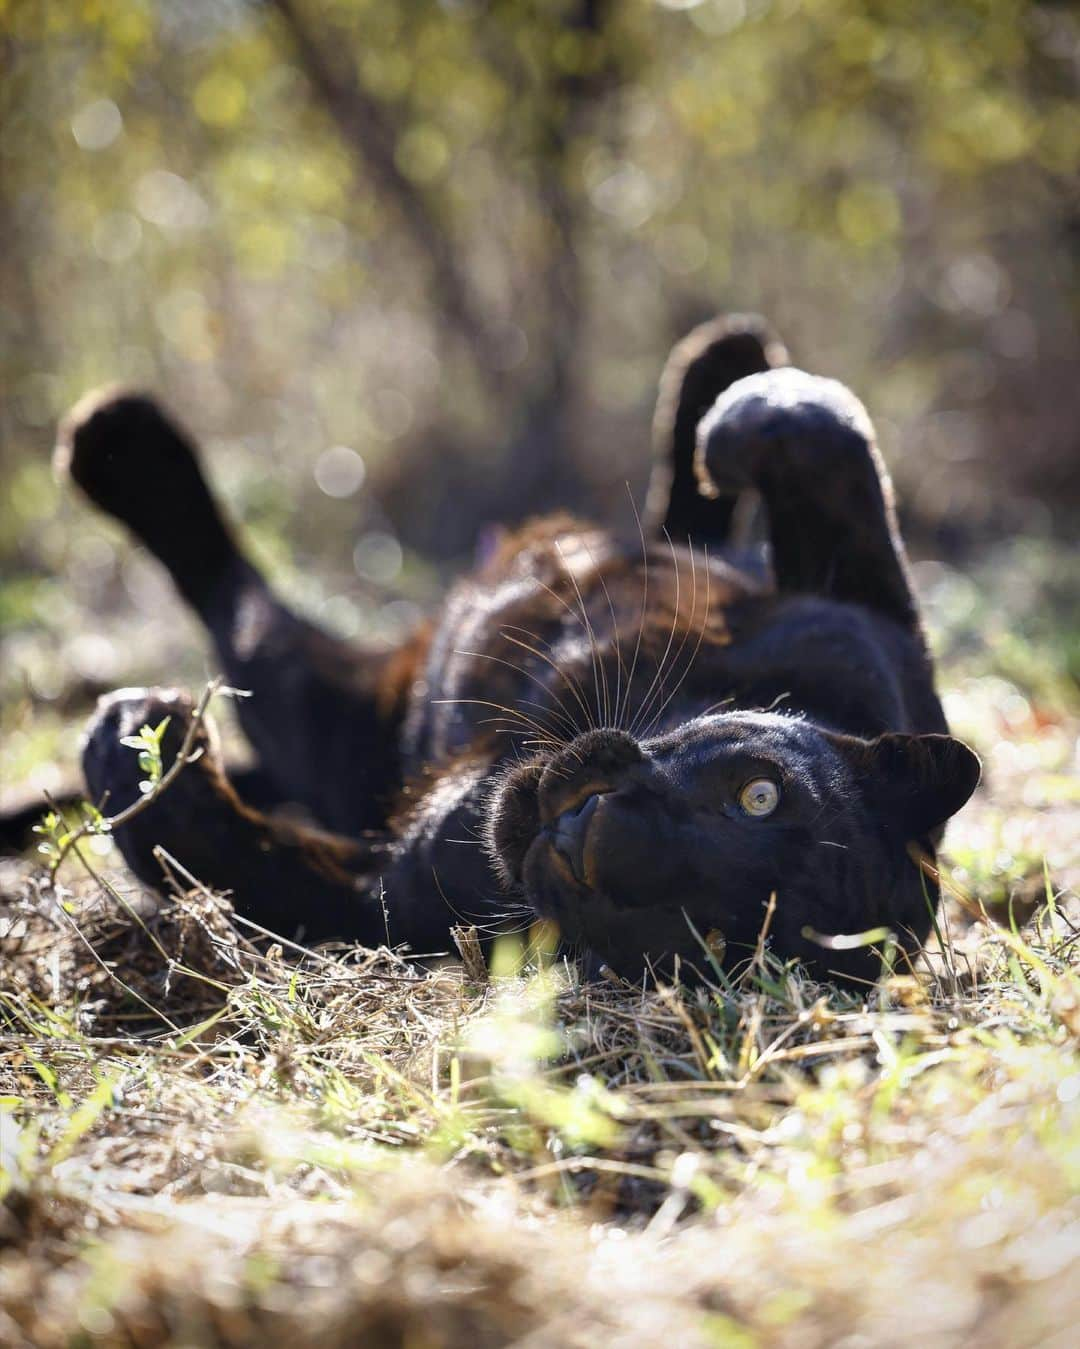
645	740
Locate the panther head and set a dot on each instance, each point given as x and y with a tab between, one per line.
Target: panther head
640	850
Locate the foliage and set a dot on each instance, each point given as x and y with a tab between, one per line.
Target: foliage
148	745
441	233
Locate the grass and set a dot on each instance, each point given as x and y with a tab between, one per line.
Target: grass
334	1145
208	1137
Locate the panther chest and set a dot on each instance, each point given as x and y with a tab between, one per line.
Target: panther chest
585	638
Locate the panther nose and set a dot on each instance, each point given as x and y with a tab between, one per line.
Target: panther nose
571	832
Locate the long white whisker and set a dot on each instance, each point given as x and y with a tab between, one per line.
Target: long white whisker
577	619
694	654
644	606
599	673
512	713
570	682
658	676
499	660
687	629
523	733
619	667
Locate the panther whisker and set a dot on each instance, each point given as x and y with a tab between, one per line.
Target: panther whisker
619	666
488	923
697	649
568	677
522	745
509	664
498	916
461	917
583	620
658	676
516	725
599	673
542	585
524	926
621	718
544	743
563	738
512	713
687	629
575	729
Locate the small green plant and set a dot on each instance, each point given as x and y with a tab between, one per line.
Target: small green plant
58	835
148	743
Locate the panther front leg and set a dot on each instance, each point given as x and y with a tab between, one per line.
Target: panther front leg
409	885
808	446
285	877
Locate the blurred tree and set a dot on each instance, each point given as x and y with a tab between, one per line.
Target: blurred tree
458	237
537	77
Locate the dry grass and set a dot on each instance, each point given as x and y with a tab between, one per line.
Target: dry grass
334	1147
209	1138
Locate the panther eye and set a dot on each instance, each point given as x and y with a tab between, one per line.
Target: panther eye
760	797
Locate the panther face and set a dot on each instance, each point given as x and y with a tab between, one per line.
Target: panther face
641	850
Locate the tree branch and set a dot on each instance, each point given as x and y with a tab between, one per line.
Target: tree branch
369	133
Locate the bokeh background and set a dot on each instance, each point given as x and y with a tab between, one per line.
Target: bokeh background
409	268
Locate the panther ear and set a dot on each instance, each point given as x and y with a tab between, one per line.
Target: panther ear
919	781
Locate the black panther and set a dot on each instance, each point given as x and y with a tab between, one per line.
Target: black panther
650	742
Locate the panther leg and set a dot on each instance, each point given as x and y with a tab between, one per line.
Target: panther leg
807	445
409	885
283	876
699	369
323	715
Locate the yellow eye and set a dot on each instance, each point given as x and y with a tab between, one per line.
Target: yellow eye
760	797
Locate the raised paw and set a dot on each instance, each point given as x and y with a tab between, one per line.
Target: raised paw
705	363
113	769
807	445
133	462
780	423
189	814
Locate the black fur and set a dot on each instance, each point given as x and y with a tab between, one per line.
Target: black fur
575	736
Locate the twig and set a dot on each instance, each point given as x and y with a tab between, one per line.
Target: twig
131	992
474	966
184	757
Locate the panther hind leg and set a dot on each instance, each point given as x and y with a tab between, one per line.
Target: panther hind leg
705	363
808	446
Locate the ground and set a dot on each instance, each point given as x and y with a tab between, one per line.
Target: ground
210	1137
